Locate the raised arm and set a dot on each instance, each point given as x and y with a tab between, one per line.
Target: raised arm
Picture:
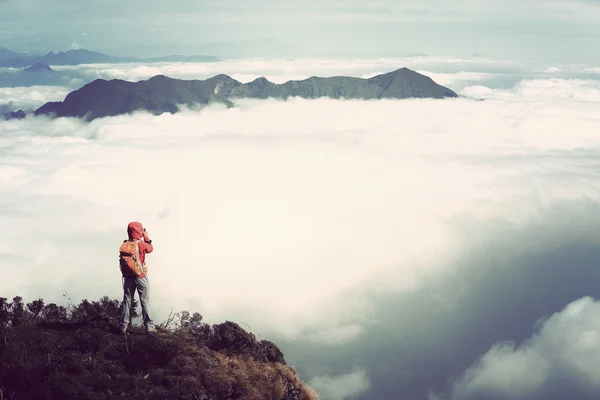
147	242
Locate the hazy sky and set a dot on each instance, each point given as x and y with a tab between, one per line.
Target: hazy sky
559	29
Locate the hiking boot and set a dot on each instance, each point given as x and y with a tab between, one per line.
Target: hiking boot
151	330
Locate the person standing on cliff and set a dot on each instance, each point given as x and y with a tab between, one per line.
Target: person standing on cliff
132	260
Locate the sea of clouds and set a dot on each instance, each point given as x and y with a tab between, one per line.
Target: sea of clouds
28	98
458	72
300	218
282	70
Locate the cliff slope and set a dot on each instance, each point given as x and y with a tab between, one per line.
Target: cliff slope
76	352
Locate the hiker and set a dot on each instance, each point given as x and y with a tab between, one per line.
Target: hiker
132	260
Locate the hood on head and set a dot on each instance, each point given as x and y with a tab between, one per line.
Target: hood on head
135	230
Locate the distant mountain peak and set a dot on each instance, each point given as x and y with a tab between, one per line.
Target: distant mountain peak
261	80
401	71
39	67
159	78
222	77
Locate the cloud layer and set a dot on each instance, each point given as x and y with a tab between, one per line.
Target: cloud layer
560	358
280	70
14	98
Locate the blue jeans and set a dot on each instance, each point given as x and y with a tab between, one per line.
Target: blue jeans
143	289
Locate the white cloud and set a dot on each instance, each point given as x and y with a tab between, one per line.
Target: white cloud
549	92
31	97
449	79
566	349
553	69
282	70
336	335
280	211
342	386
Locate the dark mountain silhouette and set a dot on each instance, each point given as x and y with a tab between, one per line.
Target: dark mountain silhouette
77	353
6	113
11	59
19	114
160	94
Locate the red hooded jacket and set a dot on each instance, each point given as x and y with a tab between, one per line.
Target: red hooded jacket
135	231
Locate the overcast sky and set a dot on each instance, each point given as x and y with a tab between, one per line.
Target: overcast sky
559	29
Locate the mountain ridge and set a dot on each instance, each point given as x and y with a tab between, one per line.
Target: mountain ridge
159	94
12	59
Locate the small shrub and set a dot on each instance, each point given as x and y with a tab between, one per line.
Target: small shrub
232	338
269	352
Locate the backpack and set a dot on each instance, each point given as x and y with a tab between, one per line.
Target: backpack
129	259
